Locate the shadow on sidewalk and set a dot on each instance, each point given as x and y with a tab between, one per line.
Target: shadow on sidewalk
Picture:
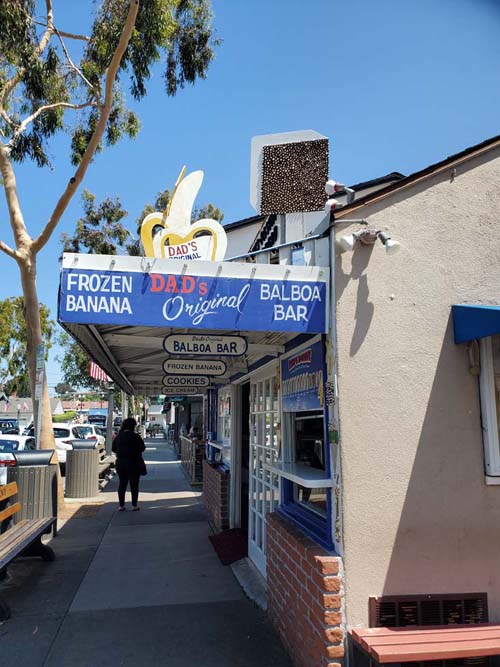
135	588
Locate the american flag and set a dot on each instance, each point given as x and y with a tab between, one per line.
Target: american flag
97	373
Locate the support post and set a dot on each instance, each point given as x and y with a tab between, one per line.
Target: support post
109	421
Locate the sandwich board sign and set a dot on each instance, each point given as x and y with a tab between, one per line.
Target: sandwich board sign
211	367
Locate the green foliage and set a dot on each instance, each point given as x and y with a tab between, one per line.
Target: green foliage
65	417
101	231
75	365
63	388
14	373
37	72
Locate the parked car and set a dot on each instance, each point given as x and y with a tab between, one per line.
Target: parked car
13	443
90	432
64	434
98	420
9	426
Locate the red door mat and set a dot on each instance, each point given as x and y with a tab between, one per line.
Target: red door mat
230	545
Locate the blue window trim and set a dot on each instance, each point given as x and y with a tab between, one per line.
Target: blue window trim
316	527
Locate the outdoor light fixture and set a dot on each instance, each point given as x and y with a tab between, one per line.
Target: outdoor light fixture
391	247
332	187
331	205
368	237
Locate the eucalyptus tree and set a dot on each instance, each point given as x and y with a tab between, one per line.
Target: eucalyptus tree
14	373
50	84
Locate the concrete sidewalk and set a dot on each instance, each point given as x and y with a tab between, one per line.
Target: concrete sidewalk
135	588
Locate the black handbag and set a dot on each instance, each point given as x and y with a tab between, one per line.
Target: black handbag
142	468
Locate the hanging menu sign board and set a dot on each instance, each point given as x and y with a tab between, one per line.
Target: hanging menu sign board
194	367
185	381
206	345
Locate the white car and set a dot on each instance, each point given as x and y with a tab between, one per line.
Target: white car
14	443
91	432
64	434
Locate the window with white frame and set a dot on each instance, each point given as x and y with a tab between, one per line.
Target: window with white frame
490	402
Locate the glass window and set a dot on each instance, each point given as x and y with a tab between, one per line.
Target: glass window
82	432
8	445
61	433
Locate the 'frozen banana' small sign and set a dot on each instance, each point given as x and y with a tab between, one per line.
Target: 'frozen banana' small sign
199	295
194	367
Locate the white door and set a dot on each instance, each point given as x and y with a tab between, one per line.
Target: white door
264	452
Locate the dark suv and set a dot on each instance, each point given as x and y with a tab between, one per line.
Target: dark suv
9	426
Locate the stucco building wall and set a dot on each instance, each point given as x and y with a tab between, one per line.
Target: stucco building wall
418	516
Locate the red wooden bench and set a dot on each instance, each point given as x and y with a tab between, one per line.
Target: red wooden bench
423	643
422	628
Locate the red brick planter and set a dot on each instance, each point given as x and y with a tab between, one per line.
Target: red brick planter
216	495
304	595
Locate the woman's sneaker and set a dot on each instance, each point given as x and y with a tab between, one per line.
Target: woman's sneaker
136	508
121	509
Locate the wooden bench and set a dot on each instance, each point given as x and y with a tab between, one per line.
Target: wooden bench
22	539
421	628
106	463
423	643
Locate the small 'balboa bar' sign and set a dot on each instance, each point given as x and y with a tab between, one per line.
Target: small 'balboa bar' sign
185	381
194	367
227	346
96	289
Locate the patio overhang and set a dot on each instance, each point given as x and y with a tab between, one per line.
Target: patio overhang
121	309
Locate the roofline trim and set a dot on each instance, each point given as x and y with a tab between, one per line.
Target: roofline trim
453	161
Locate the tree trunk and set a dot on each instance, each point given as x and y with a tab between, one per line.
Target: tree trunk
27	268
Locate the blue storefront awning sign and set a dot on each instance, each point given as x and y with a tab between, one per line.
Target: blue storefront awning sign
192	295
471	321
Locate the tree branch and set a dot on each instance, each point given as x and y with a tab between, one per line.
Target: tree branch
98	133
47	107
70	35
21	235
44	40
71	63
8	250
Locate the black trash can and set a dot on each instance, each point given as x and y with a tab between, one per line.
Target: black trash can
82	470
36	480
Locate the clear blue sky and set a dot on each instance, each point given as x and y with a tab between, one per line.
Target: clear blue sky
394	85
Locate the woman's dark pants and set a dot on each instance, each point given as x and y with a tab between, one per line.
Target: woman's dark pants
127	476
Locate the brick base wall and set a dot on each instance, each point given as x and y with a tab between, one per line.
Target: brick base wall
216	495
304	595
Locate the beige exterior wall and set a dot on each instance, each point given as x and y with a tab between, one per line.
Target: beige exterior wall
418	517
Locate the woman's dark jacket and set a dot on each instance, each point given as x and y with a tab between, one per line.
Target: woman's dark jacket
128	447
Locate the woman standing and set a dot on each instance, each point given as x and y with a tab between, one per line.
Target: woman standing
128	447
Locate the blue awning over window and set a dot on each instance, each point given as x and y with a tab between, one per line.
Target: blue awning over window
475	321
